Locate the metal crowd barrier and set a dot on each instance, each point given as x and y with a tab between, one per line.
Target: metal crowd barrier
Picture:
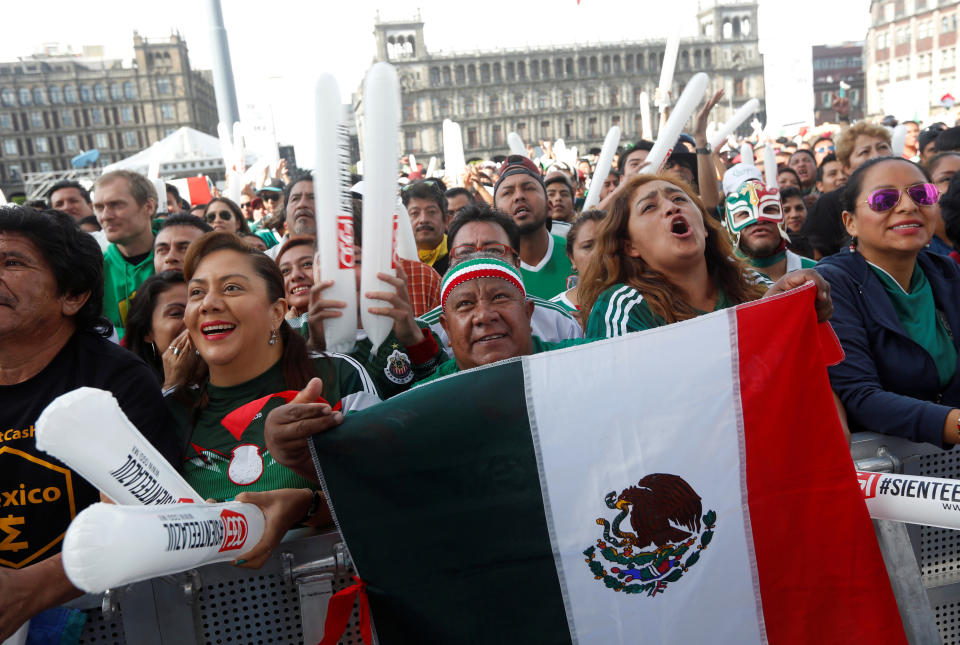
923	561
283	602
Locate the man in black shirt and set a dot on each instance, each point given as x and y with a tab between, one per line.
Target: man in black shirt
52	341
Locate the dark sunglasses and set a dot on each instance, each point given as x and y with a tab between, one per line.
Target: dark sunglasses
824	149
226	216
432	183
270	197
461	251
885	199
246	205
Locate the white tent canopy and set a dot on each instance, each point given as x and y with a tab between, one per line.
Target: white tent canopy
183	152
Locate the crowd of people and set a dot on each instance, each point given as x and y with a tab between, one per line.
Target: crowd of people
207	323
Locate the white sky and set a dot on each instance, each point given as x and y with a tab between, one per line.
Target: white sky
278	46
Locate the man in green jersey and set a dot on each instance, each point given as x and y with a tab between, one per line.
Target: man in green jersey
125	203
520	193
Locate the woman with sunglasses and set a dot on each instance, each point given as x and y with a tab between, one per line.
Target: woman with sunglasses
223	214
896	307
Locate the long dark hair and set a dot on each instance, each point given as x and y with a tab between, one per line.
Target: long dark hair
140	317
242	225
610	264
296	364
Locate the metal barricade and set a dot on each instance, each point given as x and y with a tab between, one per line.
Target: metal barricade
937	551
283	602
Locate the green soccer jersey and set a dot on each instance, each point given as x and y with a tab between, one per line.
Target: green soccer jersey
120	283
227	455
549	277
621	309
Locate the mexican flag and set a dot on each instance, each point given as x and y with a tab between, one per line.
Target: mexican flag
687	484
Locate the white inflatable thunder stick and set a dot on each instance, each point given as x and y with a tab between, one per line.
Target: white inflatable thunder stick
515	143
604	162
453	162
645	123
406	242
412	162
898	139
87	430
746	153
334	213
432	167
912	499
667	137
108	546
381	96
669	65
742	114
770	166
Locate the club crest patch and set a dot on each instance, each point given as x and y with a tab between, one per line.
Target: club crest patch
398	368
668	535
246	464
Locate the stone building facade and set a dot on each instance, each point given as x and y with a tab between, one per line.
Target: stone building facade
53	106
574	92
833	65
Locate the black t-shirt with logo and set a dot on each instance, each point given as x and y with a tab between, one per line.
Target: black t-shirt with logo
39	495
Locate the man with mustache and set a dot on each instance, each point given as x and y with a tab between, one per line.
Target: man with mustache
426	203
300	214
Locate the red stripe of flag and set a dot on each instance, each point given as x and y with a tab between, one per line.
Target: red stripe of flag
821	574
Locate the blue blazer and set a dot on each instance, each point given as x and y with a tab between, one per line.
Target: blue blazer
888	383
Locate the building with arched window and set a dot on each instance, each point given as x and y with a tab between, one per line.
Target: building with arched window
574	92
72	102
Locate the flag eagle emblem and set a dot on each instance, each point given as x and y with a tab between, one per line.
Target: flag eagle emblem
665	517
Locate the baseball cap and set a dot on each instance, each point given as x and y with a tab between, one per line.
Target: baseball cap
272	186
515	165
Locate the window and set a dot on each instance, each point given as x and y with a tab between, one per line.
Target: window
409	111
25	98
71	143
70	94
903	35
568	129
497	135
542	100
129	91
903	67
166	111
116	91
826	99
55	95
472	139
100	92
522	71
7	97
36	119
39	96
6	122
101	141
494	105
925	29
883	40
854	97
485	73
924	62
545	130
410	141
615	97
96	116
163	85
592	127
86	94
130	139
41	144
511	71
460	75
469	107
445	108
517	102
126	114
567	100
14	171
591	100
66	118
45	166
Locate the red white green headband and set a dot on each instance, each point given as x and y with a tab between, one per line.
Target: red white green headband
479	268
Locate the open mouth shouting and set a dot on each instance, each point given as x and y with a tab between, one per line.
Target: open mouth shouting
216	329
679	227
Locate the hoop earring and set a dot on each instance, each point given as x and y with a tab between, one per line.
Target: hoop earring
274	337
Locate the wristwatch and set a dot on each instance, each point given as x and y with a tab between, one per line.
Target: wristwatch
705	150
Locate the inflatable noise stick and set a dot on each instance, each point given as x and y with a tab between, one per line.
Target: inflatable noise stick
515	144
604	163
107	545
898	139
911	499
741	115
670	132
87	430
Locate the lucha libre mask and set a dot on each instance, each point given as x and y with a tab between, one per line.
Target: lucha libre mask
752	202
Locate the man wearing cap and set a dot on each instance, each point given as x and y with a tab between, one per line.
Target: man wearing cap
486	315
754	220
520	193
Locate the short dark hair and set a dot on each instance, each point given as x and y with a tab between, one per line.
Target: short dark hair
950	209
37	204
176	193
559	178
642	144
790	192
948	140
185	219
90	219
935	160
819	139
783	169
848	196
423	189
298	176
67	183
830	158
803	151
73	255
140	317
484	213
459	190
